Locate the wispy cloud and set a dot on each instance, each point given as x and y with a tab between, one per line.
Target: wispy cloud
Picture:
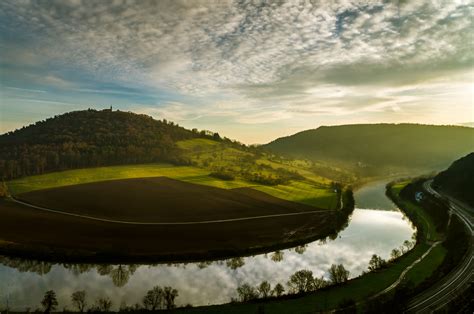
27	90
272	61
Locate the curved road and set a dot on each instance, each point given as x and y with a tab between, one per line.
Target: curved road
454	283
164	223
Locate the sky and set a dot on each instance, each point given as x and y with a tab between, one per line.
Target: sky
252	71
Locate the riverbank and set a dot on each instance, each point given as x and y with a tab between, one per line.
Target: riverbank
413	268
158	244
370	231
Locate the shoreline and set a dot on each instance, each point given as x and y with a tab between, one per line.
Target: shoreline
340	220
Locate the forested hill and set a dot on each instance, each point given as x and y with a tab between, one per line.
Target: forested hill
458	179
89	138
380	149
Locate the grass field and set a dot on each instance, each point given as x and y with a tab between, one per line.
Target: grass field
425	268
104	192
304	191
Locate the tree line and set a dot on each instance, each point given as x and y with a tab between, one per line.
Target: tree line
301	281
157	298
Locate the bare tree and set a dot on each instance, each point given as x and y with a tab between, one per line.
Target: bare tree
247	292
395	254
169	295
78	299
278	290
50	302
264	289
301	281
154	299
338	274
376	262
103	304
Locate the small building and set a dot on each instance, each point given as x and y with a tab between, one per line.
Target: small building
418	196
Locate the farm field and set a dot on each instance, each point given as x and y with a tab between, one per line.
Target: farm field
303	191
156	194
161	200
35	233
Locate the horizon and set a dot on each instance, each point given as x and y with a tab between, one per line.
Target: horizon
464	125
252	72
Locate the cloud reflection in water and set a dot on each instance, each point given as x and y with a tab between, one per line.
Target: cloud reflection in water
369	232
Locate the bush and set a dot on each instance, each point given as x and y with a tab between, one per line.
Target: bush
222	175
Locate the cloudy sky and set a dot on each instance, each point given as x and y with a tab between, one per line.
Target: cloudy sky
252	71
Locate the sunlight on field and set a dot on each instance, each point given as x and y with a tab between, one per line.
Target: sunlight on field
303	192
208	153
396	188
298	191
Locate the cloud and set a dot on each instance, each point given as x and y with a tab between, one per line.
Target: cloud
272	61
25	89
54	81
198	48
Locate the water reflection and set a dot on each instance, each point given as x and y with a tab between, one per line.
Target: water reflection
277	256
301	249
235	263
24	282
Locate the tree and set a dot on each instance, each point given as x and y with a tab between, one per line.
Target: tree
278	290
277	256
235	262
301	249
395	254
319	283
78	299
338	274
264	289
169	295
49	303
376	262
301	281
247	292
103	304
120	275
408	245
154	299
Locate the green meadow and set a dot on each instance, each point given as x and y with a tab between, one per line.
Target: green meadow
305	191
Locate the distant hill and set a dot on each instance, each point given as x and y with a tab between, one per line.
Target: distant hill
379	149
90	138
458	179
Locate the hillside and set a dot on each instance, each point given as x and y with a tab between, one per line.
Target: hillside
458	179
89	138
379	149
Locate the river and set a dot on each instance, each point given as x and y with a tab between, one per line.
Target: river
376	227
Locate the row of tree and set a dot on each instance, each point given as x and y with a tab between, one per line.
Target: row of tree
303	281
300	282
157	298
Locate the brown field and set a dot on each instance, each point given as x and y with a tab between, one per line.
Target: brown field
25	231
160	199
